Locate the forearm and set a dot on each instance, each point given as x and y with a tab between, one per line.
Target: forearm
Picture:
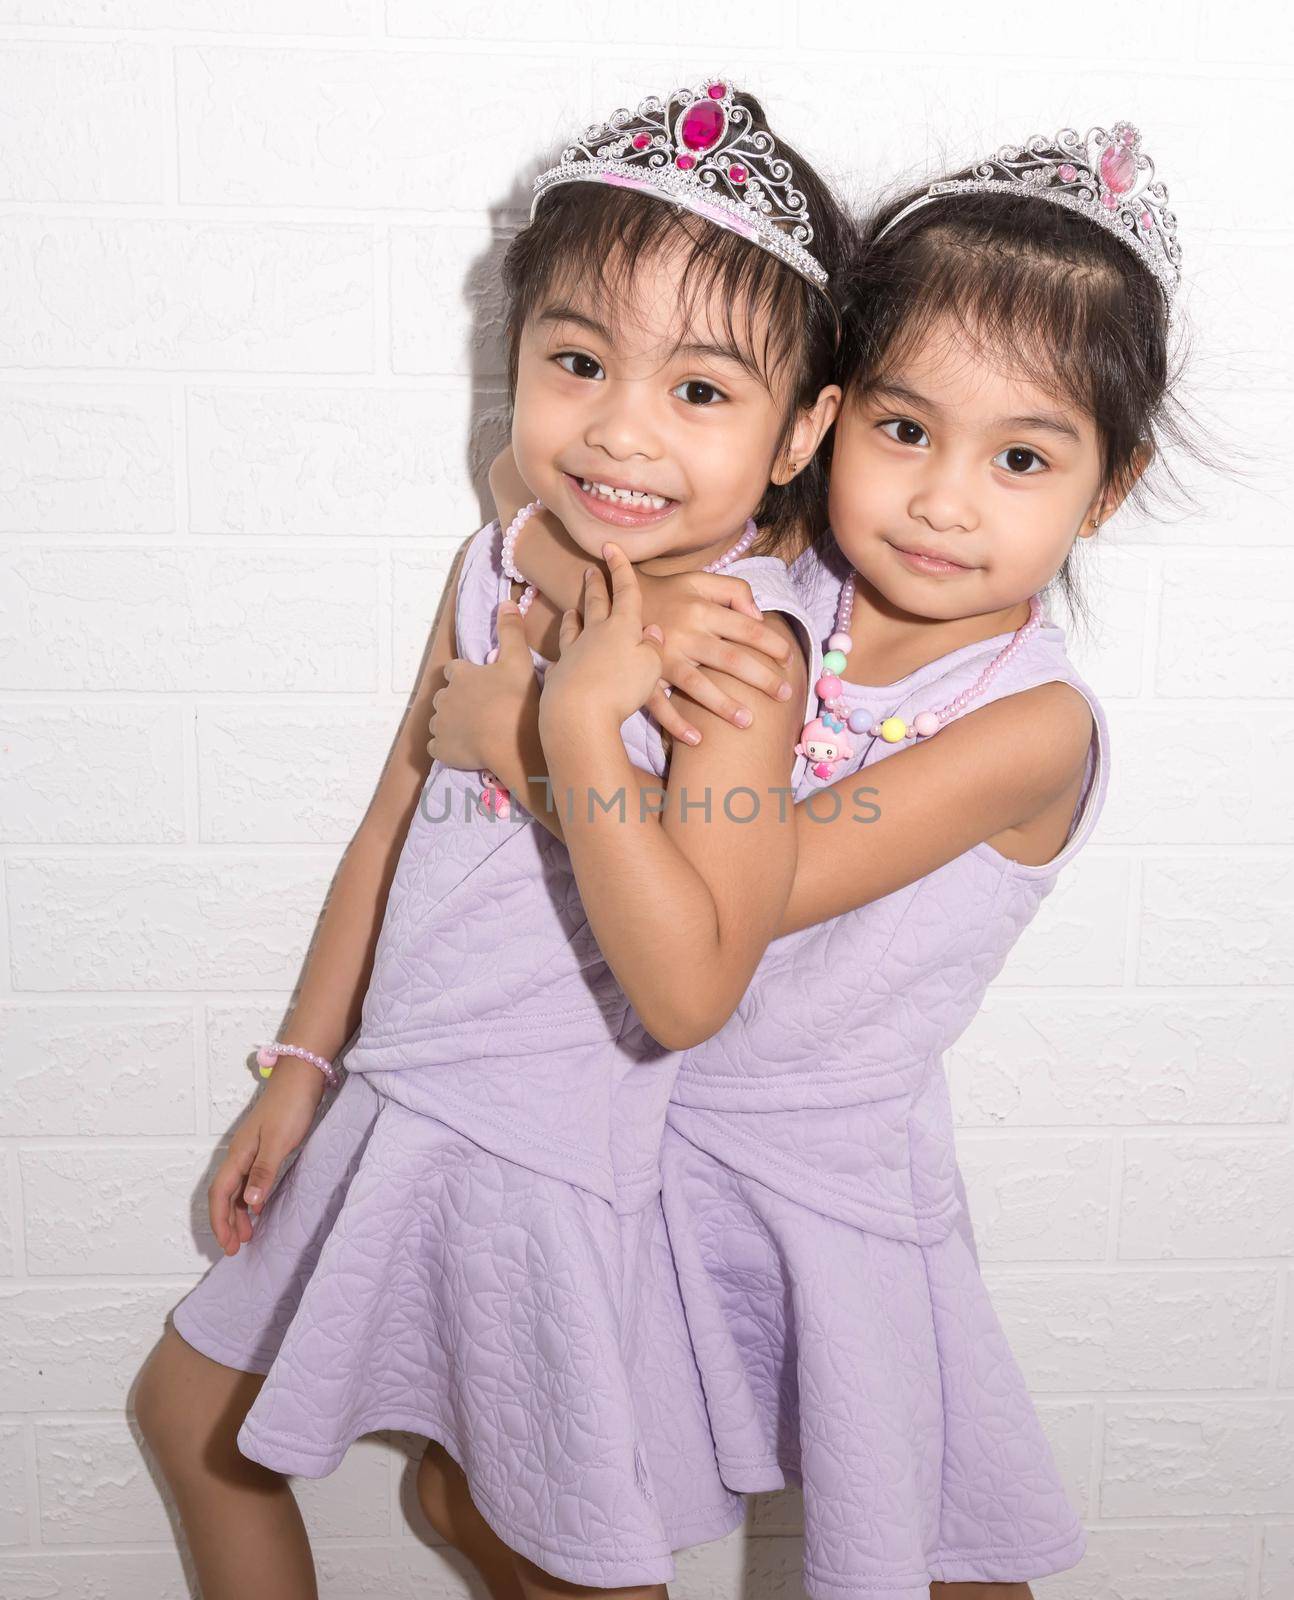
519	760
650	910
340	960
523	766
827	830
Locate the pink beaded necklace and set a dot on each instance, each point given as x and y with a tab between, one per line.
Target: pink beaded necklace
823	738
494	797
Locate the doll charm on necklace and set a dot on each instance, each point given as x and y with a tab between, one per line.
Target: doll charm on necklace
823	739
494	800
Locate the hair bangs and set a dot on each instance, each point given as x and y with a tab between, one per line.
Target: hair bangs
594	240
597	240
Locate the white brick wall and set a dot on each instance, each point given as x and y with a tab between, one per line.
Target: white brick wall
249	358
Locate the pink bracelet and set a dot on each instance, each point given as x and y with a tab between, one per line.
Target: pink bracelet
268	1054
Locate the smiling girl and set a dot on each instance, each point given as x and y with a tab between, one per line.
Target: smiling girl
467	1247
1007	382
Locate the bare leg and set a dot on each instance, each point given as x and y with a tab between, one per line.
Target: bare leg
537	1585
980	1591
447	1504
241	1520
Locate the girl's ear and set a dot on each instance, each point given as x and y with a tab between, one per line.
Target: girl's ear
811	423
1106	504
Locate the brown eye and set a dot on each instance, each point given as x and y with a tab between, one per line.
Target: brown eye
697	392
905	431
1020	461
579	365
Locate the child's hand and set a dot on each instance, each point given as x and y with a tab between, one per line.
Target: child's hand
278	1120
478	710
710	620
609	664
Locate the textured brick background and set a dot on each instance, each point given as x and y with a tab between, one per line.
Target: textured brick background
249	371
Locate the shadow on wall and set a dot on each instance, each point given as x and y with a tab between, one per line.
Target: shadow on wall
491	405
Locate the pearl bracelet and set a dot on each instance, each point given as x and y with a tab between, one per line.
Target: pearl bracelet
268	1054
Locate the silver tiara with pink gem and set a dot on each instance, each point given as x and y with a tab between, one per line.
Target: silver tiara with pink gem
697	149
1105	176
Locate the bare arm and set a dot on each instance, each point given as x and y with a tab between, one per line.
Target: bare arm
682	905
340	960
987	772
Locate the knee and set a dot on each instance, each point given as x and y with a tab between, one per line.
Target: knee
156	1407
189	1409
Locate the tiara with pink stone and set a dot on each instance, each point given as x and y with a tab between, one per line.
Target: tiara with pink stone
1105	176
698	149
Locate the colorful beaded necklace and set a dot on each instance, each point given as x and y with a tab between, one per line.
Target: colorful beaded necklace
494	797
823	738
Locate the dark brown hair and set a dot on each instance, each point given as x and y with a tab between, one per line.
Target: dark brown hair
1067	304
594	237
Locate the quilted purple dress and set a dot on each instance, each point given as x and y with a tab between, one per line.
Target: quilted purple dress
470	1243
814	1212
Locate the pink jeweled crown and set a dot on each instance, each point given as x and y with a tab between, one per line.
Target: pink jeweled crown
1105	176
697	149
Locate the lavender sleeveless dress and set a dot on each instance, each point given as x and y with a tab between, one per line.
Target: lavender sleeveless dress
814	1210
470	1243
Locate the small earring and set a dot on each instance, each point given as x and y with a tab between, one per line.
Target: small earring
1096	522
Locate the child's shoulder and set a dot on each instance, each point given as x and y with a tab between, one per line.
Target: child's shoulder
479	553
485	546
816	574
793	583
480	580
1050	727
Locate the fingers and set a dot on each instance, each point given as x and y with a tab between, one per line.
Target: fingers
702	688
570	630
595	603
743	601
431	725
626	595
511	625
654	639
264	1170
738	662
226	1184
671	719
755	635
721	590
738	617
